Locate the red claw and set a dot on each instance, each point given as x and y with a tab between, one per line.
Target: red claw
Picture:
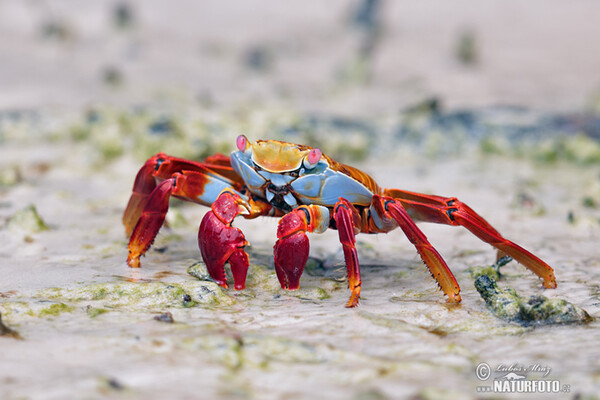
291	254
292	247
220	242
144	185
149	222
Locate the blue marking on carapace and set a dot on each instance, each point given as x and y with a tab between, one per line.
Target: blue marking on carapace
212	189
242	165
319	185
327	187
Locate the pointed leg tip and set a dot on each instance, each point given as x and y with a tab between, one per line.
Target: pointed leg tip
134	262
352	303
454	299
239	286
354	298
550	284
223	284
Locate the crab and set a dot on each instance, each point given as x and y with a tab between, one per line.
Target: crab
309	192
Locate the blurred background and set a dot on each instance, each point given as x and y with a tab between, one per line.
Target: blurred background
367	57
365	72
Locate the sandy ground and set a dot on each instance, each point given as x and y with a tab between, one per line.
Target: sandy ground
60	57
402	341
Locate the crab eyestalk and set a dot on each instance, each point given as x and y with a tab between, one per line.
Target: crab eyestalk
242	143
311	160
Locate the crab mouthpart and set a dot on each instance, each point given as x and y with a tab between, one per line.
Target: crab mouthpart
280	197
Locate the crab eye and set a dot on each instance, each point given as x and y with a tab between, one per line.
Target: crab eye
242	143
312	158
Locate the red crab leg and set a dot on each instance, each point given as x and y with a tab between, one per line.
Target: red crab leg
218	159
451	211
347	221
189	185
292	246
387	207
143	185
161	167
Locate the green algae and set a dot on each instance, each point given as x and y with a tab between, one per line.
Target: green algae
322	294
258	277
577	149
589	202
259	351
55	310
93	312
27	220
99	299
198	270
264	280
491	271
313	294
506	304
314	267
141	295
17	308
206	294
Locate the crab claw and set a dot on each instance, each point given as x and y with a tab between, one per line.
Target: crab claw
291	254
219	242
292	247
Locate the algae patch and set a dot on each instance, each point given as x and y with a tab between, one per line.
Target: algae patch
199	271
93	312
264	280
506	304
139	295
55	310
259	351
95	300
27	220
258	277
491	271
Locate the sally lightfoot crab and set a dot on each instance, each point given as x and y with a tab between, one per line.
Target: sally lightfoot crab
309	192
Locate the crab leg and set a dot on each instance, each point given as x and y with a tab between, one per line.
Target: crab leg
193	186
347	220
142	187
292	246
160	167
451	211
386	207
